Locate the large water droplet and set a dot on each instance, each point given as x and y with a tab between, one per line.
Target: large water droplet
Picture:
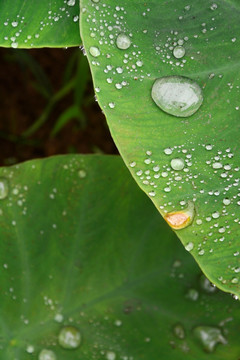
181	219
69	337
3	188
177	95
123	41
47	355
209	337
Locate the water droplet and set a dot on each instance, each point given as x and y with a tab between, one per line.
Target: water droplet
213	7
110	355
82	173
58	318
207	286
189	246
234	280
71	2
123	41
47	355
30	349
178	331
226	201
208	147
177	95
111	105
177	164
119	70
69	337
209	337
118	322
139	63
181	219
179	52
217	165
168	151
192	294
94	51
3	188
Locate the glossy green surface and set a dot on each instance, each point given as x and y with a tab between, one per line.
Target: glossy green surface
44	23
82	247
149	139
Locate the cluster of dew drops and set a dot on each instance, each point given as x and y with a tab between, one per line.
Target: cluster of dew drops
180	97
19	26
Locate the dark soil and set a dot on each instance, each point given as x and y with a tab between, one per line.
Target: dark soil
22	103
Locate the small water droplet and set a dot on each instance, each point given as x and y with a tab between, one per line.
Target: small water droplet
177	95
217	165
168	151
178	331
192	294
58	318
30	349
123	41
46	354
177	164
69	337
189	246
71	2
181	219
111	105
4	188
94	51
110	355
179	52
209	337
82	173
118	322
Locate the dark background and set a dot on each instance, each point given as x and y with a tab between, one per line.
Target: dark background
30	80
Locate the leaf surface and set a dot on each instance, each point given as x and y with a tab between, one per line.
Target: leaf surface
189	163
34	24
82	246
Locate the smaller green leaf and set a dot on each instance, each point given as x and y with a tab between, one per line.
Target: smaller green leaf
33	24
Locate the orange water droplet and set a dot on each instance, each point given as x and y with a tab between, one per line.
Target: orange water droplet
180	219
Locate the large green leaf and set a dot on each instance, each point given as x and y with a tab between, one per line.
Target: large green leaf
82	246
178	161
31	23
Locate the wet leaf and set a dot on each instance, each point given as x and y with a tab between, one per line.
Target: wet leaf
166	74
90	271
31	23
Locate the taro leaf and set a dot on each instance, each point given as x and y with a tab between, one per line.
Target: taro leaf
178	161
31	23
82	246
